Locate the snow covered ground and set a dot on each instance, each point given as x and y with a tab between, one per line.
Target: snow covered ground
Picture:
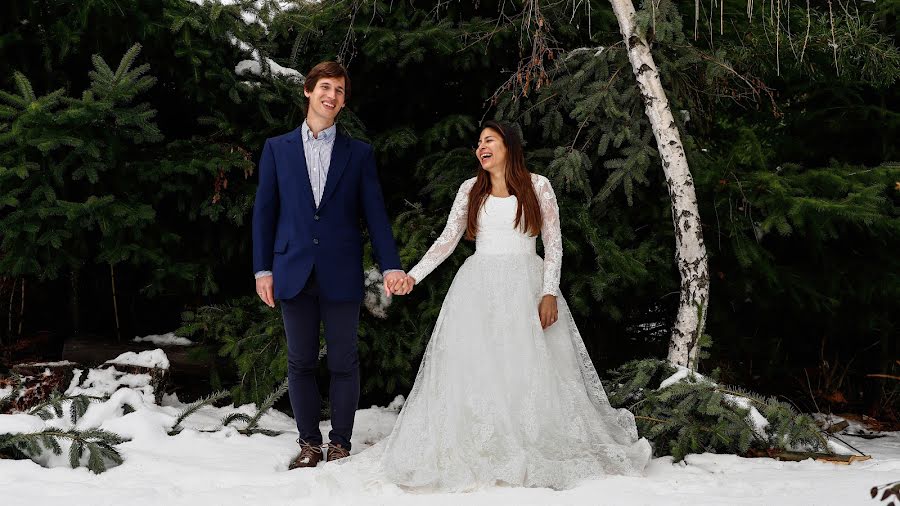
167	339
225	467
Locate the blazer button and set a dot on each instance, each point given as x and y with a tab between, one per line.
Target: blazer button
315	241
316	217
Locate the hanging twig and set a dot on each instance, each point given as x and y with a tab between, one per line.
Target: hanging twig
778	38
721	17
22	307
348	46
886	376
112	278
12	294
834	45
808	23
3	285
696	16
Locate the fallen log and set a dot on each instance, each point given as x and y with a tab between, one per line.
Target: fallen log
800	456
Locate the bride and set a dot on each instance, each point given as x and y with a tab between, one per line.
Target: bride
505	392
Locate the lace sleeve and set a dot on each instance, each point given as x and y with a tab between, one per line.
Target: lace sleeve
449	238
551	235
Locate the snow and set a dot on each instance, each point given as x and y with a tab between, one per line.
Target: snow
252	16
103	382
756	419
597	51
149	358
681	374
249	15
376	301
207	464
396	404
255	67
224	468
48	364
20	423
168	339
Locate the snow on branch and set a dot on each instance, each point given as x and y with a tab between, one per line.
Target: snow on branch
259	12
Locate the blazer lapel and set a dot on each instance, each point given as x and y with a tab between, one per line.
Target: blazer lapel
340	155
303	175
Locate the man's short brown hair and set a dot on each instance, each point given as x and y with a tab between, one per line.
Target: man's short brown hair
327	69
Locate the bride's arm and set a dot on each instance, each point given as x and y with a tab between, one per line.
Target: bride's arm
449	238
551	235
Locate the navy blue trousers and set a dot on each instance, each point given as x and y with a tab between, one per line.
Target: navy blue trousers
302	315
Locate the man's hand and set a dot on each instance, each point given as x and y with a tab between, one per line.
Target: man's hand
393	281
547	311
266	291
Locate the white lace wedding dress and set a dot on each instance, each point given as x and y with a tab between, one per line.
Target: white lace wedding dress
498	398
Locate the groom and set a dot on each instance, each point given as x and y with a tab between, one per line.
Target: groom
315	184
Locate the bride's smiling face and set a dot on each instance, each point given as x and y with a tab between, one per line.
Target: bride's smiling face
491	151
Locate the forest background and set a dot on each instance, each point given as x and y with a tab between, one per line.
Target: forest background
130	132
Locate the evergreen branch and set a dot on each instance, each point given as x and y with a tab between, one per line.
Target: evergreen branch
691	416
267	404
196	405
98	442
236	417
127	60
25	89
55	400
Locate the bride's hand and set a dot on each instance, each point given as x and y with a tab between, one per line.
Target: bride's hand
547	311
406	285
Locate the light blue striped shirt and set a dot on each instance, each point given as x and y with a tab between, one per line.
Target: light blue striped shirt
318	157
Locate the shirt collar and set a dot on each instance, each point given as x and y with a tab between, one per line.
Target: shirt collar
326	134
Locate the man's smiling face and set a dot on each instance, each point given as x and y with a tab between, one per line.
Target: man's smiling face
327	98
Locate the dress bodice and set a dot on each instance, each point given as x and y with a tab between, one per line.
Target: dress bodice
496	231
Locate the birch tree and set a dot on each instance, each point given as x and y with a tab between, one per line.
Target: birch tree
690	251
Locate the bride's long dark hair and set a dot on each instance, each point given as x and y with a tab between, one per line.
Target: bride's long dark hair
518	182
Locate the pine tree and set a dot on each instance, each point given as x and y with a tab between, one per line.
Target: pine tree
249	333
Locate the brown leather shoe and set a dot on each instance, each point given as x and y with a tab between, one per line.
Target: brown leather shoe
336	451
310	455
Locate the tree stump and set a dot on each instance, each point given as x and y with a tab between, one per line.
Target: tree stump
39	380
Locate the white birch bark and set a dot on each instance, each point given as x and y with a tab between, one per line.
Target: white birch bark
690	251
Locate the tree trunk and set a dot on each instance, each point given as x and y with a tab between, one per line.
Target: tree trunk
690	254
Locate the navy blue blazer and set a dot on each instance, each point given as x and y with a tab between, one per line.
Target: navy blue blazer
291	236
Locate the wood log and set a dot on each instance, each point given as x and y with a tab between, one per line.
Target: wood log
800	456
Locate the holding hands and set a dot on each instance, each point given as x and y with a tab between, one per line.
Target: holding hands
398	283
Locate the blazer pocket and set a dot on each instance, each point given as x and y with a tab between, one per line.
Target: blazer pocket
281	245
